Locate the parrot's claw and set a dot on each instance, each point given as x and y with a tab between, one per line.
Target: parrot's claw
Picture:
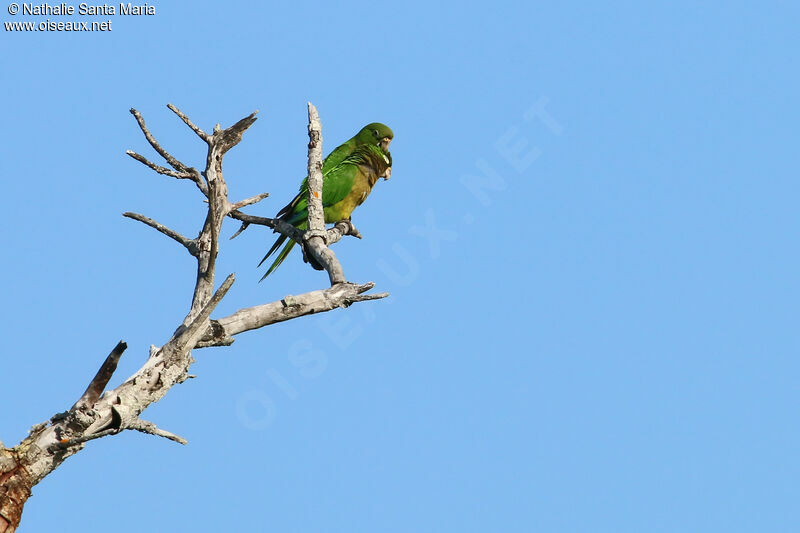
307	258
310	234
351	228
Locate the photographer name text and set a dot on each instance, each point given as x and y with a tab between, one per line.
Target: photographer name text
64	9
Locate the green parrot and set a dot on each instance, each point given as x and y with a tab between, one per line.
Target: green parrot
348	175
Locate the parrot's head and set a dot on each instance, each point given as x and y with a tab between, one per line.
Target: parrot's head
377	134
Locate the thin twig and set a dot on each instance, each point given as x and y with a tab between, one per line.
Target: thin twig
190	174
200	133
281	226
249	201
158	168
189	244
174	163
240	230
148	427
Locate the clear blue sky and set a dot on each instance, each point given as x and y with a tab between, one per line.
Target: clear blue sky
601	337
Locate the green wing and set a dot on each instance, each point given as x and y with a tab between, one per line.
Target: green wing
335	187
298	204
336	157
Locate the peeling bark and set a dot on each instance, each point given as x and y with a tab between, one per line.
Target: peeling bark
15	489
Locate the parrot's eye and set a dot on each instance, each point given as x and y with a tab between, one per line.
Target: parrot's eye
376	133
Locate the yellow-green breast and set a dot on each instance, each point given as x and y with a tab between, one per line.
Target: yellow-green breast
362	185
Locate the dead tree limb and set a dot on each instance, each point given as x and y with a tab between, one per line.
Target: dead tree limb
101	379
98	414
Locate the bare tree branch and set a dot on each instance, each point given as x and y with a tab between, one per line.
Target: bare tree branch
243	227
174	163
281	226
189	244
314	239
218	209
148	427
221	331
189	174
230	137
316	216
249	201
97	414
200	133
332	236
158	168
101	379
136	424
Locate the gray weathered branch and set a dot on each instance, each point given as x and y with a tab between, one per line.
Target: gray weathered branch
248	201
101	379
148	427
220	332
200	133
98	414
315	237
158	168
173	162
316	216
332	236
189	244
183	171
281	226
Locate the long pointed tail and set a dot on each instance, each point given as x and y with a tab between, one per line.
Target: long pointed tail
275	246
281	256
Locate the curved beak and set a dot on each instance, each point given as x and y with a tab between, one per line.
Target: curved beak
384	144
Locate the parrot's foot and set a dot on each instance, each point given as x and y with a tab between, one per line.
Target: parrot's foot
307	258
310	234
350	228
